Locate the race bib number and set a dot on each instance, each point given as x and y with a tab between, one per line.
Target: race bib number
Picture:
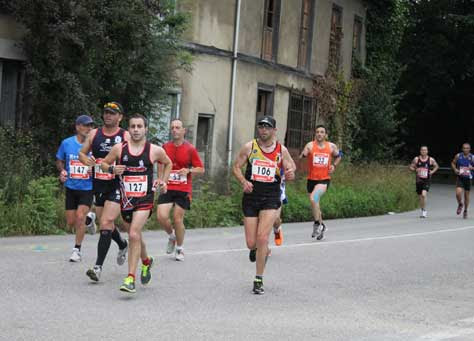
464	171
320	160
77	170
422	173
100	174
136	186
263	171
177	179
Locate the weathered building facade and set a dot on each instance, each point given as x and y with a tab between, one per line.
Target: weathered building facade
256	57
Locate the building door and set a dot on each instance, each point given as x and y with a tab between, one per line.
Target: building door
204	139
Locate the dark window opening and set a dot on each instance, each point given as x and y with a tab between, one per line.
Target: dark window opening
271	23
335	40
301	122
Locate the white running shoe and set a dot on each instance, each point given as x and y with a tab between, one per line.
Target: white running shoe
122	255
91	227
76	255
424	213
94	273
179	255
171	245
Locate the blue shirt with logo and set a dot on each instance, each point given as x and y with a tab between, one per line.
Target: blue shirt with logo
77	177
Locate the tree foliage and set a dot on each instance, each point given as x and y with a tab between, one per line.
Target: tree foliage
84	53
438	51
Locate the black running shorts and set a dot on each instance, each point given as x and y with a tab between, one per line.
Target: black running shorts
74	198
464	182
252	205
422	186
311	183
182	199
100	198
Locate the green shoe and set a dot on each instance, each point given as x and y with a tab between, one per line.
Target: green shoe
128	285
145	275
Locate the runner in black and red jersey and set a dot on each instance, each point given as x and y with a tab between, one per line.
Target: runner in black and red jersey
424	166
106	186
186	162
135	159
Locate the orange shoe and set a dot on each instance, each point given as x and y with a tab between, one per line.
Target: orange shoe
278	236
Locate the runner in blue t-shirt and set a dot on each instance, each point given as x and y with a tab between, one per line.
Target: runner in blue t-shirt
78	182
462	165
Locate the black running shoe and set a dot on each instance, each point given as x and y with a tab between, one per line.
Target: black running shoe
145	275
321	235
258	287
253	255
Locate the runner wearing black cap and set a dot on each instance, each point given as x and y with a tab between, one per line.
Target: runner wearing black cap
263	157
106	186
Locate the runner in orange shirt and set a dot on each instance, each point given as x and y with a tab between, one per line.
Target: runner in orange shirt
322	161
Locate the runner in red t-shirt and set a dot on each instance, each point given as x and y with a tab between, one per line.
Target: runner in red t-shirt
186	161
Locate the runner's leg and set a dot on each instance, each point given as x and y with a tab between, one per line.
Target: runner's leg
266	219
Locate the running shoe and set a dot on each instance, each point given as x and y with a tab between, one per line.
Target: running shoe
315	230
464	214
258	287
171	245
145	275
122	255
128	285
76	255
459	210
94	273
278	236
179	256
424	214
253	255
321	230
91	226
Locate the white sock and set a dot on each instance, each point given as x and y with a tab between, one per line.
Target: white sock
179	248
171	236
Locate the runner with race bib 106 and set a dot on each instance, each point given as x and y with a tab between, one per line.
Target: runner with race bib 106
186	163
263	157
134	166
462	165
78	183
425	166
323	158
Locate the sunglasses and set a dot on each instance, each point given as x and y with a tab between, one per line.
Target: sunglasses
111	105
264	126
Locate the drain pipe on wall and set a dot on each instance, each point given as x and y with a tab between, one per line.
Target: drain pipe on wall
232	84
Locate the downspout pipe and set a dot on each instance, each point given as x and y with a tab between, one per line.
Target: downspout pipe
232	84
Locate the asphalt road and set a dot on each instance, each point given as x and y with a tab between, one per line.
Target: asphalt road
392	277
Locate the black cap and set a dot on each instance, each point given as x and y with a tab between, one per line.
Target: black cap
113	107
267	120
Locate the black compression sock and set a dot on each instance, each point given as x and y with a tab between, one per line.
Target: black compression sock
103	246
77	247
88	220
260	278
316	222
118	239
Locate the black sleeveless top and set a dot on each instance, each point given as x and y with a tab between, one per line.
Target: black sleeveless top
423	169
101	146
138	175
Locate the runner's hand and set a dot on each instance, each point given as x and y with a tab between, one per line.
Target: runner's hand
63	176
119	169
289	174
183	171
160	183
247	186
91	161
456	171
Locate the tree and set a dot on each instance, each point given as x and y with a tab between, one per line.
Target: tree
84	53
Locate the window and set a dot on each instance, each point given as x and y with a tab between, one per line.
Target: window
301	121
10	92
306	34
356	38
204	138
159	122
264	102
335	39
271	24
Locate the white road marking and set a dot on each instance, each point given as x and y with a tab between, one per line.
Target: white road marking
454	330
